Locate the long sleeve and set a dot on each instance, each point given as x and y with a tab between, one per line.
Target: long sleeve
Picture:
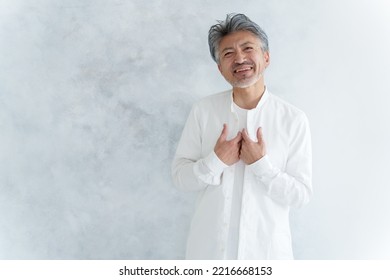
293	185
191	172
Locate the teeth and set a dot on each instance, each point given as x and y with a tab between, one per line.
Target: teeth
243	69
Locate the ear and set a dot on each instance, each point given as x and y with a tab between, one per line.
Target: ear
266	58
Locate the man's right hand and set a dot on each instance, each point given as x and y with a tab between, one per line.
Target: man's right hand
228	151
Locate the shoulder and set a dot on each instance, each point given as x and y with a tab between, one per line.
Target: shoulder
284	108
215	98
214	101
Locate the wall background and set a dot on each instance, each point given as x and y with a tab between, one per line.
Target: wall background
94	94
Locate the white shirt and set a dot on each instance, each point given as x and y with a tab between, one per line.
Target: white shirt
234	226
269	187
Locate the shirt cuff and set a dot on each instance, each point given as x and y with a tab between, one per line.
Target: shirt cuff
214	164
263	168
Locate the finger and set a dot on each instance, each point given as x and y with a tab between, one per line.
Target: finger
245	135
224	133
238	137
260	134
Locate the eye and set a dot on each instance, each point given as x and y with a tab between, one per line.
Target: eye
228	54
248	49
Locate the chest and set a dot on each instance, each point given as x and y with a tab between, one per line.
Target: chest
276	132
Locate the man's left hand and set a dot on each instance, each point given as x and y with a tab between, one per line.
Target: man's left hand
252	151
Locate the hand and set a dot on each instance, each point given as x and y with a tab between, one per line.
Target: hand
228	151
252	151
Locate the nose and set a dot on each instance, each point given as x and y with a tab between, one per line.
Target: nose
240	57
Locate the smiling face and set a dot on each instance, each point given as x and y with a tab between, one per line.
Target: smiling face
241	60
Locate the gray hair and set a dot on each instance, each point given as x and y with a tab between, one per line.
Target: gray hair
233	23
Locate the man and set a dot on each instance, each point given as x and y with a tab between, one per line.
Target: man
247	153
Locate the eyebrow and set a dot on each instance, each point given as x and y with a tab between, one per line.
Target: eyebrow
242	45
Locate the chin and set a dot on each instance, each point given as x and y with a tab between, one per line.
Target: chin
243	84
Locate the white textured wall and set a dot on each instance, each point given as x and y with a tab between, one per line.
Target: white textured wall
94	94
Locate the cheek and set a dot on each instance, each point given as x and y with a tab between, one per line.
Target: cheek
261	65
226	65
225	70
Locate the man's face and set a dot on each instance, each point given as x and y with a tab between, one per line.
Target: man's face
241	59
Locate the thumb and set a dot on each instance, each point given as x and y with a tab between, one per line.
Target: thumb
245	135
224	133
238	137
260	135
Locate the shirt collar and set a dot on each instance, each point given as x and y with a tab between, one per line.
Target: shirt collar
263	98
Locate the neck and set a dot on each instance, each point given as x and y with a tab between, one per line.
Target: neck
249	97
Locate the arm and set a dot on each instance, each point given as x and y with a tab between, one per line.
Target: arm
190	171
293	185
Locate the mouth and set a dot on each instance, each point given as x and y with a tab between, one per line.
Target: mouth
242	69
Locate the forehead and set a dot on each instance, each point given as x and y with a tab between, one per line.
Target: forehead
238	38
